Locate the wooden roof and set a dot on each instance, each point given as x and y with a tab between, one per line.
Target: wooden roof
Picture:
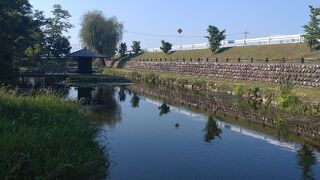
86	53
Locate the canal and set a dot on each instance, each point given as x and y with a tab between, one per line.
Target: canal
152	132
149	135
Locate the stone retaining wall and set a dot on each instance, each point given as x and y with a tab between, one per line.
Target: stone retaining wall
303	74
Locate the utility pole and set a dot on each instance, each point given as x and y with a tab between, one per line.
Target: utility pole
180	31
246	33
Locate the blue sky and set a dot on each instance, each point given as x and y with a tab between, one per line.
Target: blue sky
259	17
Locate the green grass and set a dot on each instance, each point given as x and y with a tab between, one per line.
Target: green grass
275	53
46	137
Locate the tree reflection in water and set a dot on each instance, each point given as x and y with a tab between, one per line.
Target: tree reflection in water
164	109
85	95
211	130
122	94
107	109
135	101
306	160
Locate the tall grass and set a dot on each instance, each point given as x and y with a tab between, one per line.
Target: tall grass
46	137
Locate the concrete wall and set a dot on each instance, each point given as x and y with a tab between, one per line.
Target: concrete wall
303	74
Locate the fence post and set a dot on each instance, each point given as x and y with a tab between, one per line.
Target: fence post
207	59
283	60
177	59
190	59
238	59
302	59
198	59
252	59
267	60
217	59
227	59
183	59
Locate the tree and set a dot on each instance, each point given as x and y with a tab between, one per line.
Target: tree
57	44
136	48
215	37
135	101
212	130
37	38
100	33
306	159
312	29
15	26
166	46
122	49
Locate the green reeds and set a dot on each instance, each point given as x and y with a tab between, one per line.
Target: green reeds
46	137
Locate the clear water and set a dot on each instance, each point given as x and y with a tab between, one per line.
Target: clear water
145	142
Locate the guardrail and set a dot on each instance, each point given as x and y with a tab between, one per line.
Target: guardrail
286	39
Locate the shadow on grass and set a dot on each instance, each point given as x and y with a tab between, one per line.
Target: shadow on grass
221	50
122	61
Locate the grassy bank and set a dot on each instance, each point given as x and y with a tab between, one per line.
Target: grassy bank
259	53
45	137
298	100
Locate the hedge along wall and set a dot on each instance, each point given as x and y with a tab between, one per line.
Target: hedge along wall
302	74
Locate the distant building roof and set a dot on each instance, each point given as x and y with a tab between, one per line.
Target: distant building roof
86	53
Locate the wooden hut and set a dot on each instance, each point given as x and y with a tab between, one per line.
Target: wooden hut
84	57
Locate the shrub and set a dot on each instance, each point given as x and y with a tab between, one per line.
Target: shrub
151	78
238	90
134	75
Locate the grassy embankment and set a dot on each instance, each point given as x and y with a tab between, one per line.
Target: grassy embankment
299	99
275	53
46	137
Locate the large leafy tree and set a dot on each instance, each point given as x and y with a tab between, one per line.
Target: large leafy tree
37	38
165	46
100	33
136	48
215	37
312	29
15	27
57	44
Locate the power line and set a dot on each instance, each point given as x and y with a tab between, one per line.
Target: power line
177	36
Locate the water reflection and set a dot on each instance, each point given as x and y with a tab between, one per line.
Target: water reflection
164	109
282	128
102	102
135	101
122	94
306	160
211	130
85	95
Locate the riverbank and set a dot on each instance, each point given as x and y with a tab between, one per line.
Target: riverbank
47	137
275	53
299	100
